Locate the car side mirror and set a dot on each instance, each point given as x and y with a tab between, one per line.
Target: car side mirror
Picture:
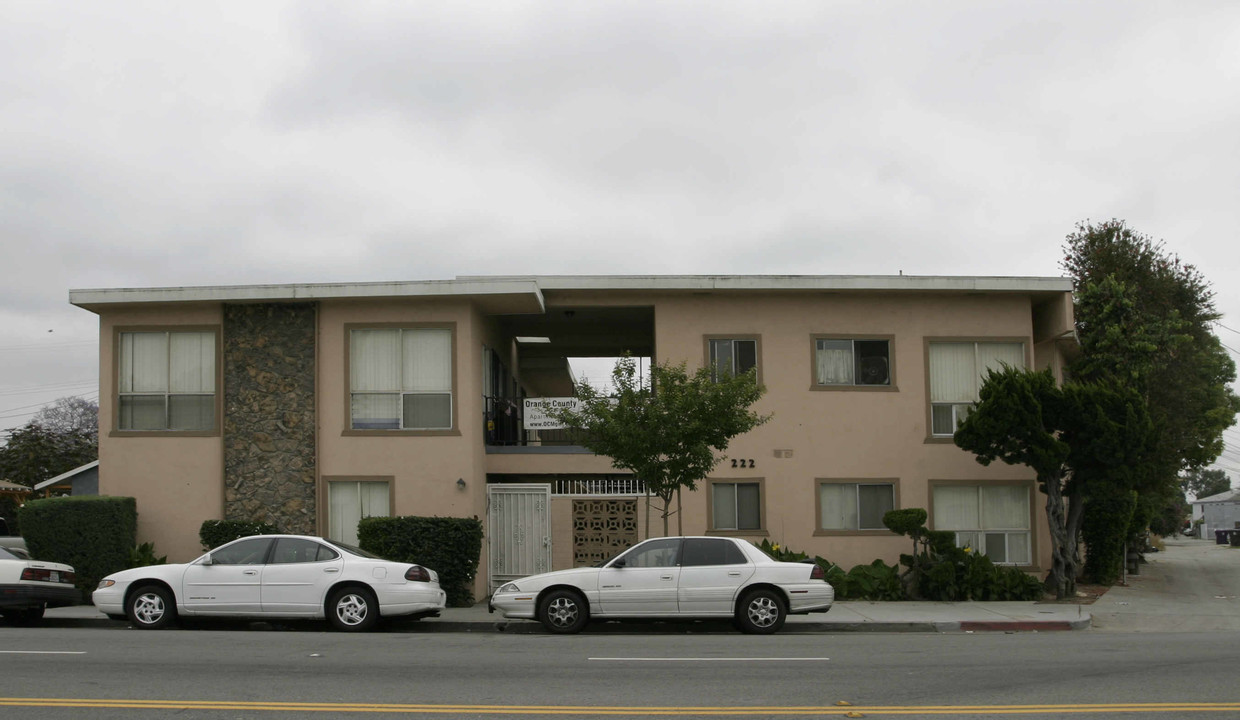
618	564
206	560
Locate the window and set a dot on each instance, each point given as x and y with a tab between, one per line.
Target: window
245	552
167	381
736	506
854	506
846	362
957	370
709	551
732	356
655	553
400	379
990	519
301	550
350	501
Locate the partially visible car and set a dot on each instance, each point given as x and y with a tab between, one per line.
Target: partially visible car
672	577
28	587
9	541
274	576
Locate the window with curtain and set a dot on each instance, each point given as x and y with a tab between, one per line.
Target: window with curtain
730	356
166	381
854	506
990	519
350	501
400	379
841	361
957	370
736	506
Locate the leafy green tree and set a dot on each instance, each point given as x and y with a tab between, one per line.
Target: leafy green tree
1144	319
1205	483
1069	435
669	432
35	452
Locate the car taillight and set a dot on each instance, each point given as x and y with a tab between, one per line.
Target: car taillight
45	575
417	573
817	573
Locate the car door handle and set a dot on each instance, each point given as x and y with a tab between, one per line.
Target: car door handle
666	577
249	572
734	574
331	570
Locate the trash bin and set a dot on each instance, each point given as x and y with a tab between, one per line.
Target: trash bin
1222	537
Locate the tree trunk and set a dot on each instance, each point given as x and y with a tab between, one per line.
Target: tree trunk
680	514
648	496
1061	579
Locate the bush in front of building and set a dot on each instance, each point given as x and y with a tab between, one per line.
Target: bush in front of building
94	534
215	533
450	546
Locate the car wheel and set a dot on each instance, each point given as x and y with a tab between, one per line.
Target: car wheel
151	607
353	609
563	611
761	612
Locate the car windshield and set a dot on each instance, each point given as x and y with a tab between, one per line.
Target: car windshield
353	550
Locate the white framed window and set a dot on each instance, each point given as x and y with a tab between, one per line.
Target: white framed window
854	505
990	519
852	362
400	379
166	381
957	370
348	501
732	356
736	505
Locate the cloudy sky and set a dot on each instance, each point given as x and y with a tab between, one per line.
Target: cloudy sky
196	143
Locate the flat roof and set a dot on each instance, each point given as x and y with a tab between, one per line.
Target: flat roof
524	293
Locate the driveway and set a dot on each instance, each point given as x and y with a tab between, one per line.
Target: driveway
1193	586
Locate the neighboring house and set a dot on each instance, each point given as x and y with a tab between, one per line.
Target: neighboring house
1217	512
311	406
83	480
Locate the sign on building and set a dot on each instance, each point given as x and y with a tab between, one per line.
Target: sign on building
536	417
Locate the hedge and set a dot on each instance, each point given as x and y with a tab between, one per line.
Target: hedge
94	534
451	547
215	533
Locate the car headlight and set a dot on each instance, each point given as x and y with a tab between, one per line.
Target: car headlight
508	588
105	583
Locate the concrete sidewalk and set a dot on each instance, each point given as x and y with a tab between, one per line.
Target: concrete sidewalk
843	617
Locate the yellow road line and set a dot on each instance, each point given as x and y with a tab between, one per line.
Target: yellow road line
721	711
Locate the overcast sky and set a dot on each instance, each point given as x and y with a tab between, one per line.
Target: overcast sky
148	144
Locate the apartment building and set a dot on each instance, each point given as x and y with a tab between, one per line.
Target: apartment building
311	406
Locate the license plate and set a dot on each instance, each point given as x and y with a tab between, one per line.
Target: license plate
53	576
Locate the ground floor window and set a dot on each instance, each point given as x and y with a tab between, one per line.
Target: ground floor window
349	501
736	505
854	505
990	519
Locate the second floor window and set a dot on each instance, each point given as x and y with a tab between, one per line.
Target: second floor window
167	381
957	370
845	362
729	356
400	379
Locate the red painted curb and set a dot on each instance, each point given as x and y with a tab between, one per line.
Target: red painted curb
1017	626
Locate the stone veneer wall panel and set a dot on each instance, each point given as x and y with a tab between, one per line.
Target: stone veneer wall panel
269	415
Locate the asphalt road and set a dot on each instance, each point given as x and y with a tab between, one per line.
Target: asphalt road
69	673
1141	661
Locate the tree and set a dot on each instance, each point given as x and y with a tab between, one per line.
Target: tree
70	413
1204	483
35	453
1068	435
669	432
1144	319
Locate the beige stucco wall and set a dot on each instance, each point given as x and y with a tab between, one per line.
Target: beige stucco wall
178	481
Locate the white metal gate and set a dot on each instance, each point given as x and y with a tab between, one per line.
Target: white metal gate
518	532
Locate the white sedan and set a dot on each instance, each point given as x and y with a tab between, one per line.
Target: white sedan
28	586
274	576
674	577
